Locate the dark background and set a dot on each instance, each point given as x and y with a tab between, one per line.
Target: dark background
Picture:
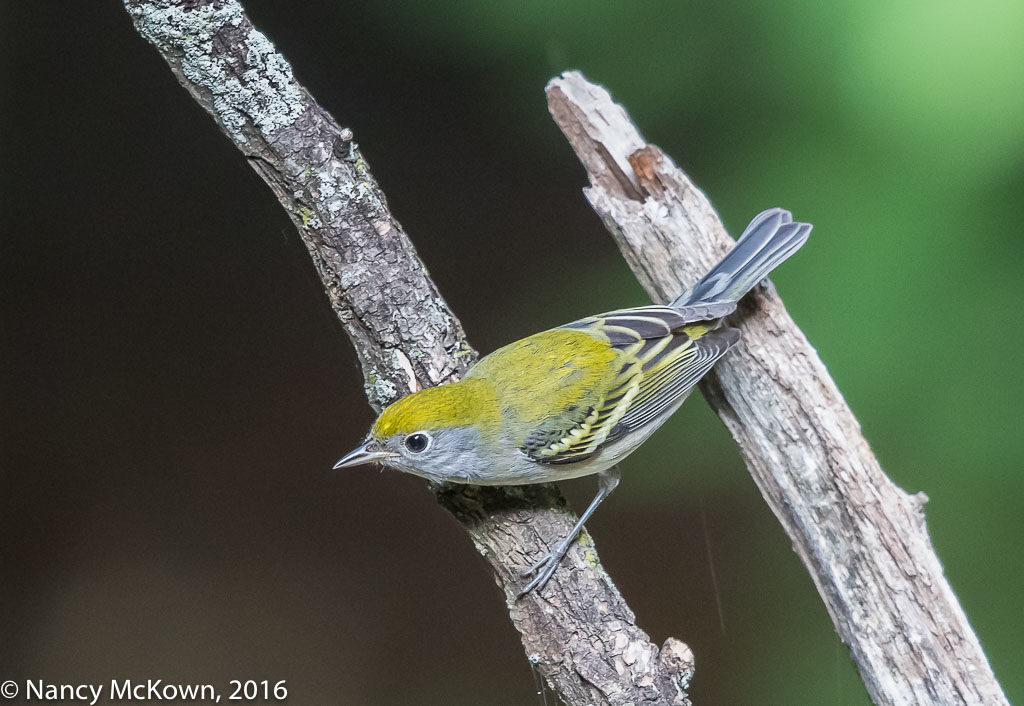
175	388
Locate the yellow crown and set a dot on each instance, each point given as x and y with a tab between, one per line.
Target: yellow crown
461	404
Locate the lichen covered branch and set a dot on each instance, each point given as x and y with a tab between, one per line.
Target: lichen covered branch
862	538
363	256
578	631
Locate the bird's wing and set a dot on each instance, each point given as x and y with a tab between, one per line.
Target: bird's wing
652	321
660	357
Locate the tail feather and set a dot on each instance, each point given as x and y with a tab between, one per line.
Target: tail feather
765	244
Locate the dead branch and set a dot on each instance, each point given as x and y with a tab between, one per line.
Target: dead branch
862	538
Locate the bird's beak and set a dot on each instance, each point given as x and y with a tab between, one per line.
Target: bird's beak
367	453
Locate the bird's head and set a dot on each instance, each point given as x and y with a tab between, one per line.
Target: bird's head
441	433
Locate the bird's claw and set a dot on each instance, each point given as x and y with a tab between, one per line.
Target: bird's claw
544	568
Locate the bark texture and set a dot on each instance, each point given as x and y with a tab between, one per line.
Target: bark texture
578	631
861	537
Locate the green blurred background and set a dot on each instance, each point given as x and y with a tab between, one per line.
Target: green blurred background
175	388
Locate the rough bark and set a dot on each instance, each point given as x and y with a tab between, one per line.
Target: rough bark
861	537
578	631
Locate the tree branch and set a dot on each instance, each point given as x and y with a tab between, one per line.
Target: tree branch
862	538
577	631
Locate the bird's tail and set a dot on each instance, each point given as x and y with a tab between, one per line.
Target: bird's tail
769	239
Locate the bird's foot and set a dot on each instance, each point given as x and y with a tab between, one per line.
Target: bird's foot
545	566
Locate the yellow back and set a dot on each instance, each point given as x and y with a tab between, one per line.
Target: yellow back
527	380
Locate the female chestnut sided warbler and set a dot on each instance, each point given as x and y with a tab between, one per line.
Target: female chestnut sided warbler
579	398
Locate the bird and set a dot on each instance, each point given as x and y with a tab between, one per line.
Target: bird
577	399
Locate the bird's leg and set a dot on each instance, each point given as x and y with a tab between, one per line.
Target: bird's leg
545	568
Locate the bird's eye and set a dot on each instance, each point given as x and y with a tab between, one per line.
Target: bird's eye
418	442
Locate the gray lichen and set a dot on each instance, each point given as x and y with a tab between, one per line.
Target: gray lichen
379	390
270	82
349	278
262	91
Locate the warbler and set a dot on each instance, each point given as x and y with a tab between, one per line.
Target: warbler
577	399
